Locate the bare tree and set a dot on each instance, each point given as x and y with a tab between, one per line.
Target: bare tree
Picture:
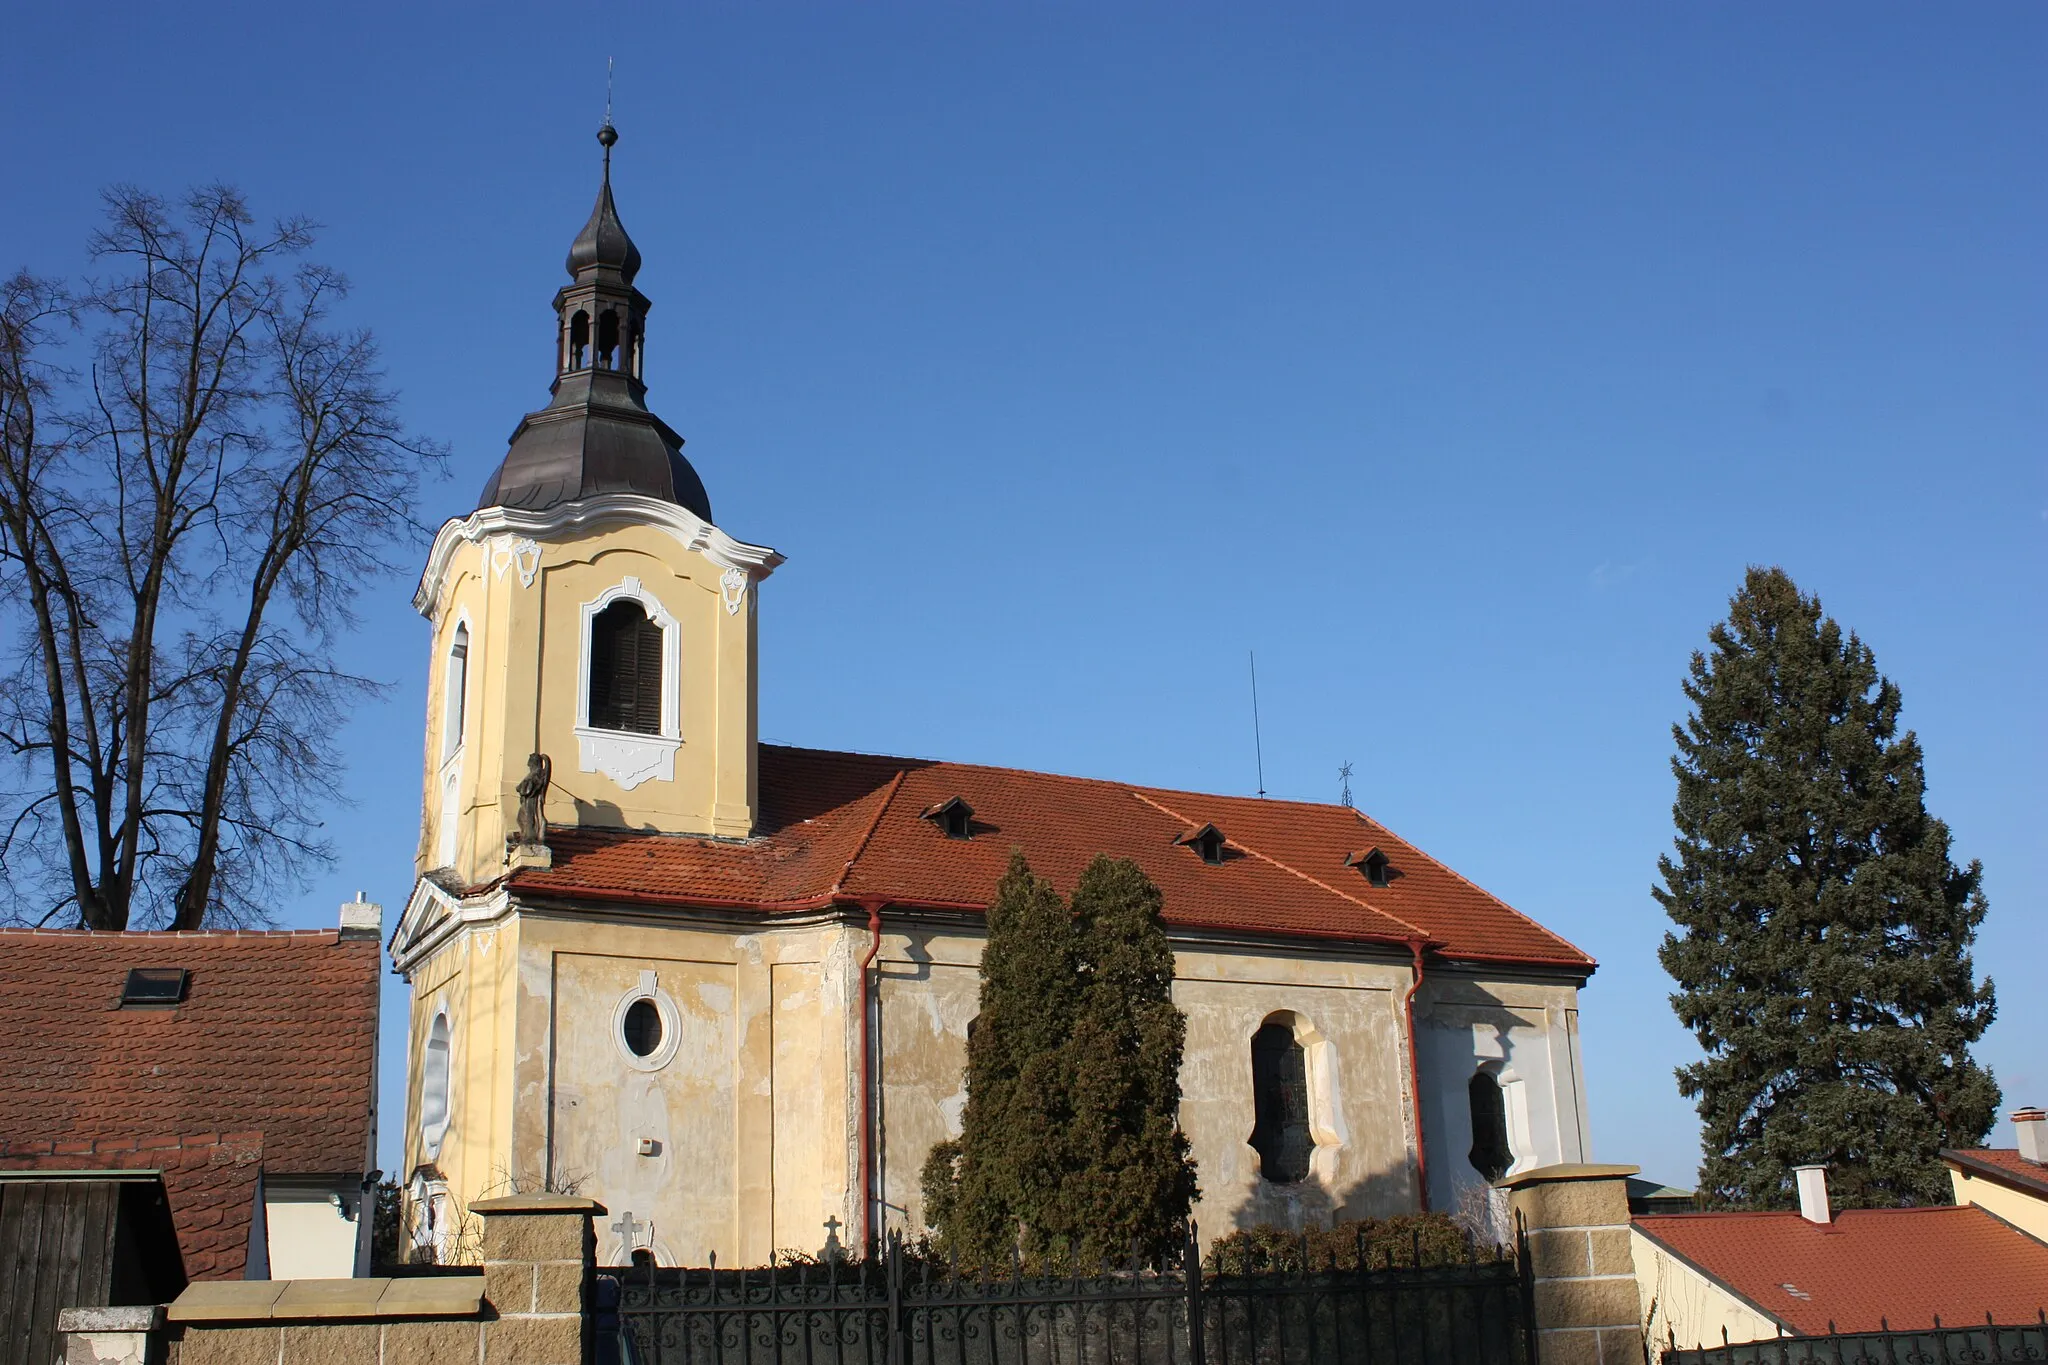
186	515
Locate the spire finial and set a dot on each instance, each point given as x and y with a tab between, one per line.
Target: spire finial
607	135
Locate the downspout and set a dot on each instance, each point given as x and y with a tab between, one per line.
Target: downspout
867	1082
1415	1079
867	1085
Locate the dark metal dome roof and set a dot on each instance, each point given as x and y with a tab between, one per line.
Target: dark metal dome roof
596	437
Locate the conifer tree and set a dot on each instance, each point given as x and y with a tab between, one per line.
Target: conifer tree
994	1190
1822	951
1070	1146
1132	1179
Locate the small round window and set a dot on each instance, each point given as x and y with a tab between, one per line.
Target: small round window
642	1027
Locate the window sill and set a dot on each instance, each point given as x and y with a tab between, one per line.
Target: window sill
626	758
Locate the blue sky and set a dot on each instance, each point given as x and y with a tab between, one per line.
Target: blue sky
1455	360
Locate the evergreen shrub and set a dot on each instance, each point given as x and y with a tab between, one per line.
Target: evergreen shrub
1403	1241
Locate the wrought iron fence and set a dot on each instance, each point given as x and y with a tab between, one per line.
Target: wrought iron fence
900	1309
1939	1345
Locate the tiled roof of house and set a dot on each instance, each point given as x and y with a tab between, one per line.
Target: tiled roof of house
209	1181
840	828
1867	1268
274	1043
2001	1163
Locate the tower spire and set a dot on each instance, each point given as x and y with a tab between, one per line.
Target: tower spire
597	435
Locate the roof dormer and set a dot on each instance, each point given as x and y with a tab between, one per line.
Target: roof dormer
954	817
1373	863
1208	841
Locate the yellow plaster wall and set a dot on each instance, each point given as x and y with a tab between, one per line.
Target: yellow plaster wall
525	683
753	1123
1683	1307
471	976
2027	1212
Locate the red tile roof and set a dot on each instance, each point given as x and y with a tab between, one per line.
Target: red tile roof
2003	1164
1868	1267
843	828
274	1044
209	1180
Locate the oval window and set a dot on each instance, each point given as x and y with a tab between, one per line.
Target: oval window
642	1027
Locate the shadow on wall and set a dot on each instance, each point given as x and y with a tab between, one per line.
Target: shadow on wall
1306	1203
604	815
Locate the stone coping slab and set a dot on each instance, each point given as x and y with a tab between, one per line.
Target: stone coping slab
538	1203
436	1296
141	1317
1567	1170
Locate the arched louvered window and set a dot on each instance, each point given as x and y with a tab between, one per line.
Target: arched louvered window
625	670
1491	1155
1280	1099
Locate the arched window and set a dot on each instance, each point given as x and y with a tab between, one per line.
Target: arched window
607	339
455	696
1280	1102
625	670
579	338
1491	1155
434	1085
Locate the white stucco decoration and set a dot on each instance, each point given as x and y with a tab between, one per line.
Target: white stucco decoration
626	757
732	586
584	515
671	1025
520	552
1514	1095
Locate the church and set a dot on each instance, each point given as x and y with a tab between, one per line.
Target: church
726	987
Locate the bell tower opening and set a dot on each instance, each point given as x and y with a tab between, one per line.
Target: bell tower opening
579	339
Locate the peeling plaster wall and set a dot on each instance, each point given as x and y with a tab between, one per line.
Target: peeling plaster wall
751	1123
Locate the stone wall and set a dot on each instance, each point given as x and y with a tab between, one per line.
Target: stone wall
1576	1219
526	1307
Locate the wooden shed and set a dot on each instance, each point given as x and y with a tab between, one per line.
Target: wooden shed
85	1239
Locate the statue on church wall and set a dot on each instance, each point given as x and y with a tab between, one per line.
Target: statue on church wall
531	829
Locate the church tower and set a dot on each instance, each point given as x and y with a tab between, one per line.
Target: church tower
592	627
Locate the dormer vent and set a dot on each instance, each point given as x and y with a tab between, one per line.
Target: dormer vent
1373	863
154	986
1207	841
954	817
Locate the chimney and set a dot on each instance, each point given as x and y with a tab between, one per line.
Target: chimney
1813	1194
2031	1125
362	918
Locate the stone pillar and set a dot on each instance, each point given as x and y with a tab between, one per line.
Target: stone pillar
538	1253
112	1336
1576	1219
